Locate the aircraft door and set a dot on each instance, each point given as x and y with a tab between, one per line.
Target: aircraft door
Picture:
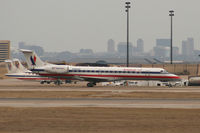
147	75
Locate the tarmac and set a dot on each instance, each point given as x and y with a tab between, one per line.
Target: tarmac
15	85
101	102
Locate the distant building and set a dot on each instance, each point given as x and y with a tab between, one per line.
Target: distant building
190	42
4	50
111	46
188	47
86	51
175	51
140	46
161	52
122	48
163	42
184	47
162	48
22	45
38	49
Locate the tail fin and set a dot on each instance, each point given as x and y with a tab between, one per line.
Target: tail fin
19	66
32	59
10	66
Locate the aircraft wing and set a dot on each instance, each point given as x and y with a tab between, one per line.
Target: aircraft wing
92	79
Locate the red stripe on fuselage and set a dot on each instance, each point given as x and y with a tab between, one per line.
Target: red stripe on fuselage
28	78
114	76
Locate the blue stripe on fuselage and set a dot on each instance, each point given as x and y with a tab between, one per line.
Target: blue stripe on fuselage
41	70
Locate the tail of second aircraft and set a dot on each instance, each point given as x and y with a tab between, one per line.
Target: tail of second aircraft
10	66
19	66
15	66
32	59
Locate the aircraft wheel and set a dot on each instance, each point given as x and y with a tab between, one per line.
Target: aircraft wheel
90	85
41	82
170	85
58	82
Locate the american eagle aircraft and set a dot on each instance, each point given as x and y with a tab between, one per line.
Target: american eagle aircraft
18	71
95	74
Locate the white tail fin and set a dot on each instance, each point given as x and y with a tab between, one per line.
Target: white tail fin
32	59
10	66
19	66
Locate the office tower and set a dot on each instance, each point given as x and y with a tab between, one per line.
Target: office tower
122	48
4	50
188	47
162	48
140	46
190	42
111	46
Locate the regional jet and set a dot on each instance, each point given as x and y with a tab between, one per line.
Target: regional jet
95	74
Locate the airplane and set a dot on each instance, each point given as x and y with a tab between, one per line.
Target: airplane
17	70
95	75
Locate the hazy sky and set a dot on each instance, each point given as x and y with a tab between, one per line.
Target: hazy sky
59	25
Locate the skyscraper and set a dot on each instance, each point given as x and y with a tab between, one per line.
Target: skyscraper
111	46
184	48
162	48
190	42
4	50
188	47
122	48
140	46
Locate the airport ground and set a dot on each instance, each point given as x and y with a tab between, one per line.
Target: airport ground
28	107
98	120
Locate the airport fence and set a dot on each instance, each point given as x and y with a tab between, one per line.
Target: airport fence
180	69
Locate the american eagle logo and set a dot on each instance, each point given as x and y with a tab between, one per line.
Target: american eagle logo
17	64
33	60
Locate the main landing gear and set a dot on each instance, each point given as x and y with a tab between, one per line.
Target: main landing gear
91	84
58	82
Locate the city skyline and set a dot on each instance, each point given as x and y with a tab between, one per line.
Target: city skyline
187	47
69	25
116	53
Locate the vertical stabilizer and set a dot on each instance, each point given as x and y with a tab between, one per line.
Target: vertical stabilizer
19	66
32	59
10	66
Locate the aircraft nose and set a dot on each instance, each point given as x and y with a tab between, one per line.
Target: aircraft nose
177	77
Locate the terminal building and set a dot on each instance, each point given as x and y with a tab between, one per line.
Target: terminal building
4	50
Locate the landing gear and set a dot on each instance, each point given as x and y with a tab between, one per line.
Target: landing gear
42	82
170	85
58	82
91	84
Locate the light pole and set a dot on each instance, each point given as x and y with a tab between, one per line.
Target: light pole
127	10
171	14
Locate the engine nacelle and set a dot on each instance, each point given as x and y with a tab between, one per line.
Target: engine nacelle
57	69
